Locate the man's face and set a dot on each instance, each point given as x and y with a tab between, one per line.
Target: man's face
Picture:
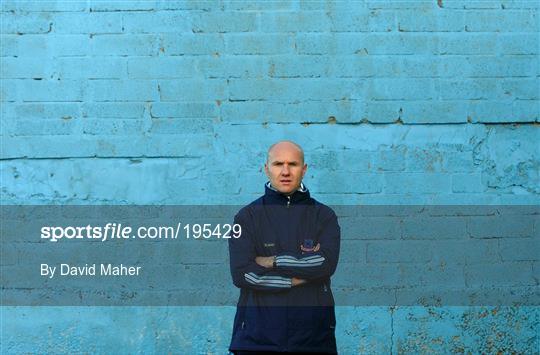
285	167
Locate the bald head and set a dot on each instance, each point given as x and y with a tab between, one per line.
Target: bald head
285	166
284	145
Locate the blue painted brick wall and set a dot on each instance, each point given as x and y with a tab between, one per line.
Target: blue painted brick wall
175	102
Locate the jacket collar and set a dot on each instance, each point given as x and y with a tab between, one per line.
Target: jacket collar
275	196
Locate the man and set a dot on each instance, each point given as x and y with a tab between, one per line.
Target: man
282	263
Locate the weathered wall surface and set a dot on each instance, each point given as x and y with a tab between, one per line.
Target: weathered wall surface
175	102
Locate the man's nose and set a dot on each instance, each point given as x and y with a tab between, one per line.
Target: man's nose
285	170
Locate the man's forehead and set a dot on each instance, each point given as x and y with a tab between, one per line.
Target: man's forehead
285	151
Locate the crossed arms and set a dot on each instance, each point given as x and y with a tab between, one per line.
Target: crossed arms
285	270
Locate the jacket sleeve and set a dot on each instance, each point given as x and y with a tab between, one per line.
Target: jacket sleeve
315	265
246	273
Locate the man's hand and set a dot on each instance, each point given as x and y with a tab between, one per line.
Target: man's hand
265	261
296	281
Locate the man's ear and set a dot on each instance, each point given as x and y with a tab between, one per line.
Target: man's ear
304	169
266	170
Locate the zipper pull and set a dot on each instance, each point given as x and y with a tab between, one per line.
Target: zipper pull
243	325
288	201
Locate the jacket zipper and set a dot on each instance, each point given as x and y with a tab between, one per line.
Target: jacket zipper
288	201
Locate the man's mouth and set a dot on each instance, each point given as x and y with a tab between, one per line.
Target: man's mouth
285	182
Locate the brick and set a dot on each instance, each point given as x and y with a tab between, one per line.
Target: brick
430	20
424	160
399	4
191	44
370	228
156	22
315	43
502	274
382	21
259	44
344	66
44	146
520	88
282	112
431	278
327	160
10	45
90	68
299	66
51	146
192	90
381	252
361	19
352	251
502	66
290	89
55	45
468	183
520	4
184	110
406	66
383	111
466	43
525	249
129	5
519	43
57	90
272	5
475	89
436	112
205	5
390	159
367	43
181	126
365	276
434	228
400	183
112	110
113	127
468	5
401	43
455	66
353	160
350	20
43	6
237	66
24	127
223	22
123	90
47	111
401	89
25	68
352	183
458	161
161	67
465	252
501	226
501	21
13	23
304	21
133	45
490	111
87	23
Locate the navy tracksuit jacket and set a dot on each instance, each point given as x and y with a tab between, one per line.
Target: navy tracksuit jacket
271	315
